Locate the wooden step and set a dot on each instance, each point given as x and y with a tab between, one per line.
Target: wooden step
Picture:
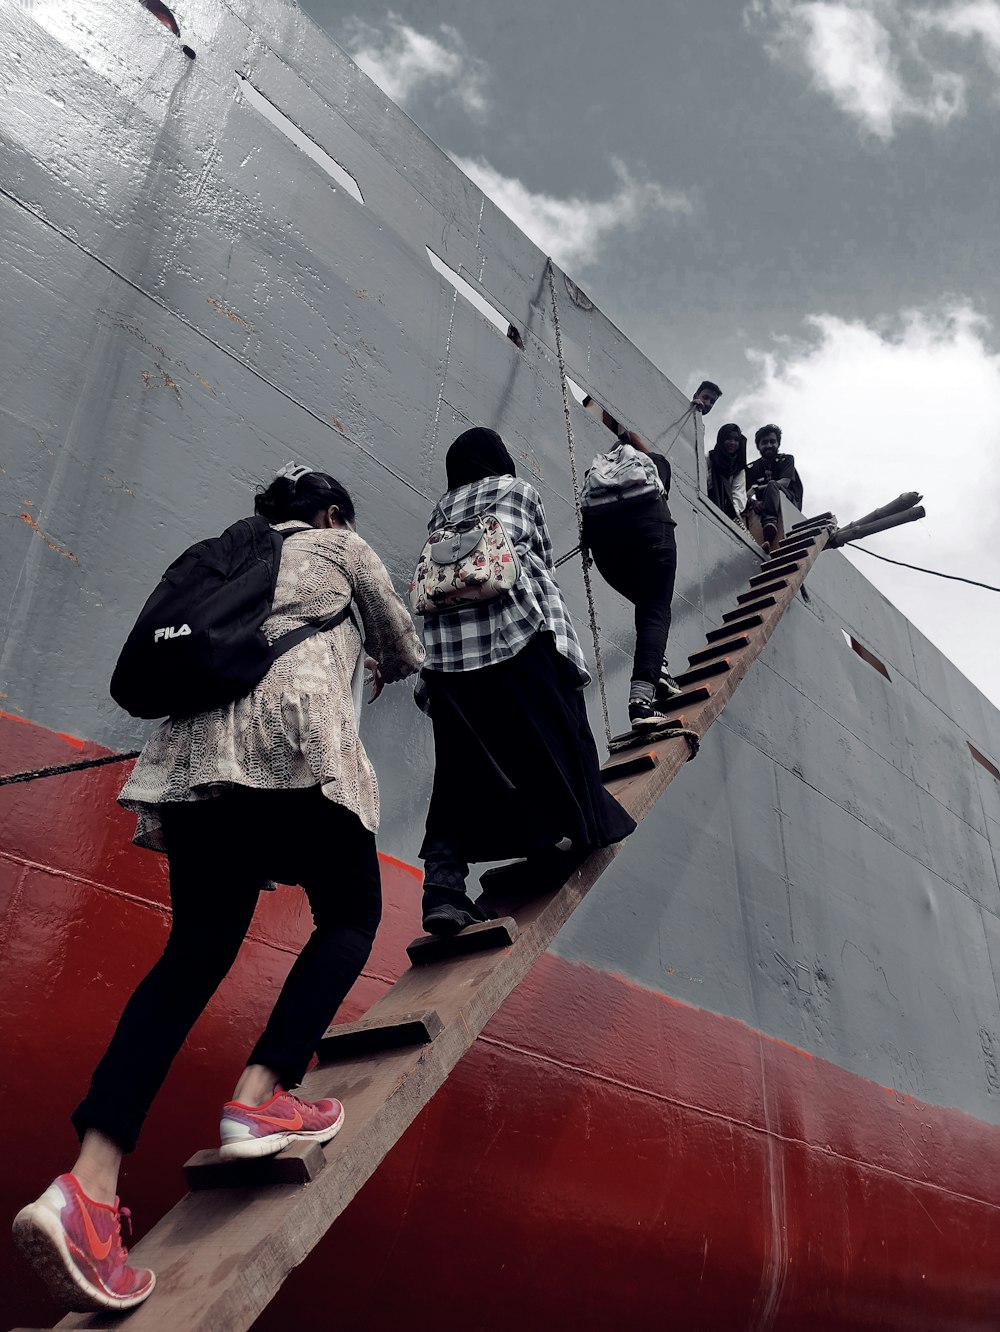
628	766
645	734
300	1163
744	623
670	706
222	1253
707	671
788	551
820	520
751	608
764	590
351	1040
781	570
734	644
795	542
473	939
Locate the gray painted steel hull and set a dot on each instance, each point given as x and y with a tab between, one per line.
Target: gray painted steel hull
189	300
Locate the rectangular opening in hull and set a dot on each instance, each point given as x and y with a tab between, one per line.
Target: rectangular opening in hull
867	655
476	299
302	141
983	761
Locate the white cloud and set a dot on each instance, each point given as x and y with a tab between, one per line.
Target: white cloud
977	22
877	59
404	62
573	231
912	404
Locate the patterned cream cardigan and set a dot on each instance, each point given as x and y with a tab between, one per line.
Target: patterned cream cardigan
298	726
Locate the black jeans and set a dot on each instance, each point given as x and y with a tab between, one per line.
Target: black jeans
634	549
770	497
222	851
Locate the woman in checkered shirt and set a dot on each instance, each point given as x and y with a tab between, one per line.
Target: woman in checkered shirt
516	768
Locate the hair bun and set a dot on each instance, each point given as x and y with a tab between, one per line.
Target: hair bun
302	497
273	503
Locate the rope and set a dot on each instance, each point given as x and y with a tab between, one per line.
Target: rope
955	578
635	739
594	629
693	740
679	423
14	777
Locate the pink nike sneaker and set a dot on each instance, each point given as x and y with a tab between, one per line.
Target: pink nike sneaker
263	1130
75	1246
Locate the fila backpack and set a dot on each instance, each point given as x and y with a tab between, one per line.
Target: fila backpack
198	642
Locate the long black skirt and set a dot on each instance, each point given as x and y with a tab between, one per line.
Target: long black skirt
516	769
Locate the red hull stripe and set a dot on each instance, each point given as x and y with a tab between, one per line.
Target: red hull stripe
609	1156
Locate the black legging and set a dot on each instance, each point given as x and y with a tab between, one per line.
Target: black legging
634	549
221	853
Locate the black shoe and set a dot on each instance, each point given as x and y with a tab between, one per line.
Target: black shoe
447	911
642	715
667	686
770	535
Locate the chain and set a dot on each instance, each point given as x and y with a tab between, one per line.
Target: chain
594	628
13	778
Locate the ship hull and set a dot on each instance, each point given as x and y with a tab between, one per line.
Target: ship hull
756	1081
605	1153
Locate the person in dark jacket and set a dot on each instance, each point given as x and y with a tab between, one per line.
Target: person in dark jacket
516	770
727	475
771	476
632	543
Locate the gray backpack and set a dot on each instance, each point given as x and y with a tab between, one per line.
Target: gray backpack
623	473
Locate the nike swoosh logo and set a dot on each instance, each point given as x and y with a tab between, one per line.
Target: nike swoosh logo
290	1124
98	1247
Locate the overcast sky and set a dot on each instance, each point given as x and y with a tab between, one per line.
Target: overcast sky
800	200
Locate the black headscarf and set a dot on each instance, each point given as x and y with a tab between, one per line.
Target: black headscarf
476	454
728	464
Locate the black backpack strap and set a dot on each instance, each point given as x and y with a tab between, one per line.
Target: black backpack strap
294	637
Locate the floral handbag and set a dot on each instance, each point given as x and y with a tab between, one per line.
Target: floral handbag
464	564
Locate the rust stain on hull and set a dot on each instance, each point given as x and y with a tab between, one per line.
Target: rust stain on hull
66	554
230	314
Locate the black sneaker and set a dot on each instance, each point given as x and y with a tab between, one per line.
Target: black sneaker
667	686
642	714
446	911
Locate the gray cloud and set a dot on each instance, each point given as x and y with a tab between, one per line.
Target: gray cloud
884	62
405	62
574	230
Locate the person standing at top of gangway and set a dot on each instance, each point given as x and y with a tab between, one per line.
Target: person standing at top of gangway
274	786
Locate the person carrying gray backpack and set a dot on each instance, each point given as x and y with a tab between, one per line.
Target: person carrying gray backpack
629	532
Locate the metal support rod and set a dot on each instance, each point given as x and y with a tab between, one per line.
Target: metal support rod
899	505
856	531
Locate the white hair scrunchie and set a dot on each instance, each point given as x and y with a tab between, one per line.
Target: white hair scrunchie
294	471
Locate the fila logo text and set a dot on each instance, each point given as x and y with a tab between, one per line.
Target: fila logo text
171	632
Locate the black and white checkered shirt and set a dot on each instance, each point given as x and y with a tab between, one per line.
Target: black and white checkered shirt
494	631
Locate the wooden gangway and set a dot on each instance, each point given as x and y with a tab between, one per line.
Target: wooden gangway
223	1252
